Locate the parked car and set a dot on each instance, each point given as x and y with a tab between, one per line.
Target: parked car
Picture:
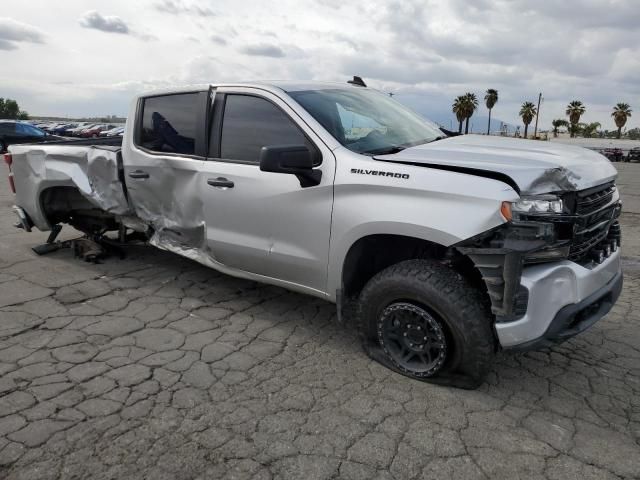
633	155
51	127
447	247
112	132
83	130
13	132
65	131
62	128
68	132
75	132
613	154
95	130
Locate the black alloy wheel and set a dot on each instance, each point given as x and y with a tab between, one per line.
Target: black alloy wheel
413	337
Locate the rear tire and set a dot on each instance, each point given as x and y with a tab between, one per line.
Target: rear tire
423	320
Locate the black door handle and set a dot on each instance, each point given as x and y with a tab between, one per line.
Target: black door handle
138	174
220	182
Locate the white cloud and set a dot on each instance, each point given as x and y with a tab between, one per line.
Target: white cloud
111	24
105	23
177	7
263	50
13	32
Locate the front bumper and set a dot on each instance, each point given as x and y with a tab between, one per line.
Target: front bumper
565	298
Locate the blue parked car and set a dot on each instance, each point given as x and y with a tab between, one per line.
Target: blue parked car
62	128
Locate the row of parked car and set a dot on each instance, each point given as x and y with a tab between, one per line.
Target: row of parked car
617	155
18	131
84	129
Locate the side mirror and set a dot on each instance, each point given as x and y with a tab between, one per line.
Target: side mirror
292	159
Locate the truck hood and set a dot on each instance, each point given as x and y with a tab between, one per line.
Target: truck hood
529	166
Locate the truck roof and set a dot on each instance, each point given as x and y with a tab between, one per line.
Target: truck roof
282	85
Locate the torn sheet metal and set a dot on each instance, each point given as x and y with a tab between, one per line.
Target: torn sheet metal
104	177
134	223
176	220
555	179
94	171
534	167
168	240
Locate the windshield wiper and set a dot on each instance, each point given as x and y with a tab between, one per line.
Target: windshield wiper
386	151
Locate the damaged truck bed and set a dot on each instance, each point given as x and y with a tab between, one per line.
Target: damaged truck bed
71	176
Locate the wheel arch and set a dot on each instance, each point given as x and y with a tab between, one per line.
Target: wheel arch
372	253
67	204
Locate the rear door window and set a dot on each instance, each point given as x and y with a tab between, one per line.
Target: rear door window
169	123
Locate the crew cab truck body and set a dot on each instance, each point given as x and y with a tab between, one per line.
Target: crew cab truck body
450	248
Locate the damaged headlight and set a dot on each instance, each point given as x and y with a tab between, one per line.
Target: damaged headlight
538	219
547	204
542	204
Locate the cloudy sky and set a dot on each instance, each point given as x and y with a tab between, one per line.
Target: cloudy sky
85	57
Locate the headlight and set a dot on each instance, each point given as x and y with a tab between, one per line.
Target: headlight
543	204
538	205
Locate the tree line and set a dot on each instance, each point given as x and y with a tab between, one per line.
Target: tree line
621	113
9	109
465	105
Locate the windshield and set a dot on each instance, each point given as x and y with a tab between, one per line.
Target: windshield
366	121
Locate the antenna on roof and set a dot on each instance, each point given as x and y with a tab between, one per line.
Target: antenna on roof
357	81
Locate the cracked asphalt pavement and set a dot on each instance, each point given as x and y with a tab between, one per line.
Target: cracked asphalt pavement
156	367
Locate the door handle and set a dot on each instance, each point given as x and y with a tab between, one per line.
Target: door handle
220	182
138	174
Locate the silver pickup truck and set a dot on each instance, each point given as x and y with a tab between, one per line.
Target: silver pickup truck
445	249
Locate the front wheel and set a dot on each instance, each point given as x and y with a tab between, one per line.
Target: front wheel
423	320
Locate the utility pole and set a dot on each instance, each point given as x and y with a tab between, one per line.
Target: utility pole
535	130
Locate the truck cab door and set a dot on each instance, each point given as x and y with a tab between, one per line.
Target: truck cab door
163	155
262	222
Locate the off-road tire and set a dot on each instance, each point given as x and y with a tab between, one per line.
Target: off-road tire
460	309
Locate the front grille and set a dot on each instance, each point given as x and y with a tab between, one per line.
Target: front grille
595	216
589	201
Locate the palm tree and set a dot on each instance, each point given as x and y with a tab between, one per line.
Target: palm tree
557	123
490	100
470	106
589	129
527	112
458	108
621	112
575	110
